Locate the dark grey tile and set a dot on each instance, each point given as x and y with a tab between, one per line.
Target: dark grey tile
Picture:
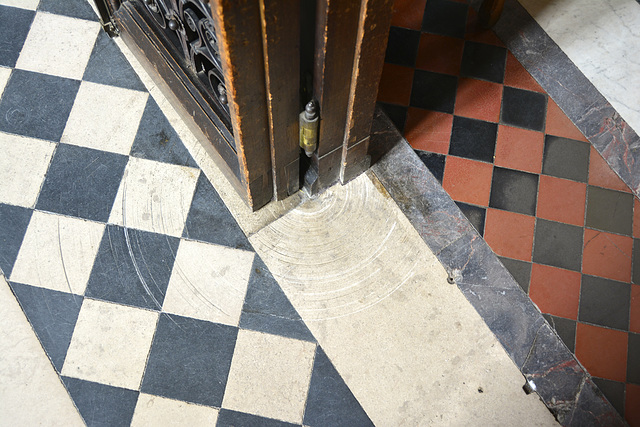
523	108
53	317
433	91
13	32
189	360
613	391
605	302
444	17
132	267
566	329
633	358
514	191
73	8
209	219
609	210
557	244
402	46
520	270
102	405
330	402
475	214
483	61
37	105
267	309
591	409
635	278
397	114
107	65
434	162
566	158
82	182
14	221
157	140
473	139
229	418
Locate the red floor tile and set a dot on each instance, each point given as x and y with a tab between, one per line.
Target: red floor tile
556	291
475	32
509	234
440	54
607	255
478	99
519	149
558	124
408	13
428	130
561	200
632	405
602	351
515	75
467	181
636	218
395	84
601	174
634	318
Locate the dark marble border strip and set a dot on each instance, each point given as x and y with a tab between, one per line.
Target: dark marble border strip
561	382
618	143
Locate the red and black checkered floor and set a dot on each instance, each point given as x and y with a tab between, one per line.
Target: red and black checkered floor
543	198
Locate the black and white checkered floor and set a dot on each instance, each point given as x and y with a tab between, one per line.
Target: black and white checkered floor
145	294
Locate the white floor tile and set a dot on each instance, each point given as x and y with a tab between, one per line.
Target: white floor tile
4	77
156	411
110	344
154	197
58	45
269	376
30	390
105	118
23	4
57	252
23	165
208	282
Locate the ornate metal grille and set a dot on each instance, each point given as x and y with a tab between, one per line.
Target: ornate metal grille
189	25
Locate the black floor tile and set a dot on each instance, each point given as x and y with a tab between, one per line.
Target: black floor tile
37	105
475	214
402	46
157	140
566	158
14	27
633	358
100	404
483	61
609	210
330	402
448	18
566	329
53	317
107	65
209	220
14	221
397	114
73	8
189	360
558	245
520	270
514	191
434	162
267	309
132	267
82	182
229	418
523	108
635	278
605	302
613	391
434	91
473	139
